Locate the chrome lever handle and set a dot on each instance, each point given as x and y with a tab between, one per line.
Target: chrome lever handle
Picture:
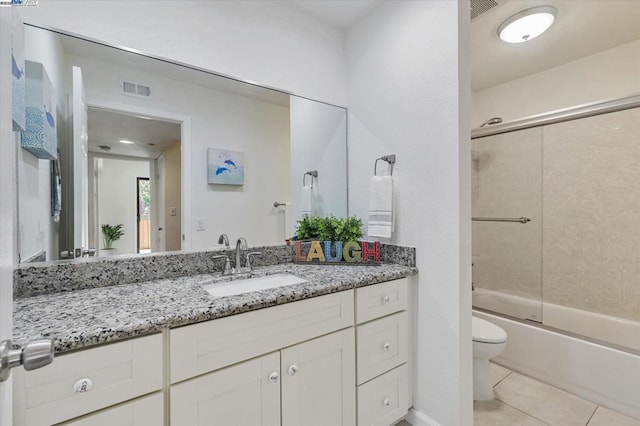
34	354
227	263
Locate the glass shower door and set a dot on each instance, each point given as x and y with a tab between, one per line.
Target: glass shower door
507	248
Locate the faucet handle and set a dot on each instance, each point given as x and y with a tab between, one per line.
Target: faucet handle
248	263
227	264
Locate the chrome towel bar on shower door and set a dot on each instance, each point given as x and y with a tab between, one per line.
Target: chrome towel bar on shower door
501	219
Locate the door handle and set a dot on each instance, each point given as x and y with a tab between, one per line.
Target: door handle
35	354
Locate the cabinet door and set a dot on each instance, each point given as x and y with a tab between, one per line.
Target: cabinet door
244	394
318	381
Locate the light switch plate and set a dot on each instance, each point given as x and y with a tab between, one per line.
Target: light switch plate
172	211
200	224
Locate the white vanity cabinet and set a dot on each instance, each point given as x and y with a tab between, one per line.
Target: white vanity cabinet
338	359
308	371
85	381
311	383
382	353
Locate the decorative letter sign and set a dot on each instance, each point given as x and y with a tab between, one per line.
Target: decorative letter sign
335	253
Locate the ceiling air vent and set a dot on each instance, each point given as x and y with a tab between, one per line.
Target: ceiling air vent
478	7
132	88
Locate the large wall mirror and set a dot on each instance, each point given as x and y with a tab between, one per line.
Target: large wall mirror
174	154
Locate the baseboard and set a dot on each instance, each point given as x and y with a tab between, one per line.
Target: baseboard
418	418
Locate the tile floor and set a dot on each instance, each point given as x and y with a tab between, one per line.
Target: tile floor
523	401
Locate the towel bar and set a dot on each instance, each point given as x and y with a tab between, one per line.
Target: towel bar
501	219
391	159
312	173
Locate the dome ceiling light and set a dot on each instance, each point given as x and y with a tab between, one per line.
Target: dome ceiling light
527	24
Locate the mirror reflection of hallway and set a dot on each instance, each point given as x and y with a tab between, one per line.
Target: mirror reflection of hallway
137	183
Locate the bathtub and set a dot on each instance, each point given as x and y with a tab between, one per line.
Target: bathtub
599	373
608	329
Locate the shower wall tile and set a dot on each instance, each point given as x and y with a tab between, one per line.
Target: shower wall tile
591	224
506	173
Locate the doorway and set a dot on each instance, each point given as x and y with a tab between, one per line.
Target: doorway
143	203
137	151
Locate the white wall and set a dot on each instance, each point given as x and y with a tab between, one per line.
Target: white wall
252	40
38	232
318	142
408	87
610	74
117	201
218	120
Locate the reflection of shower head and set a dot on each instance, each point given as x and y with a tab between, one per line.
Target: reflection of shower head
491	121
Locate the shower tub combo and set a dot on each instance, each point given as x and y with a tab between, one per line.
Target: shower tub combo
563	283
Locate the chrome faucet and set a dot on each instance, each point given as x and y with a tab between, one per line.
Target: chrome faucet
241	244
223	239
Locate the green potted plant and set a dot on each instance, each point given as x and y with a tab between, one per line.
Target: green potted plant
111	233
329	228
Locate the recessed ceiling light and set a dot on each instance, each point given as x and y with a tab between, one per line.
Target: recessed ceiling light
527	24
126	141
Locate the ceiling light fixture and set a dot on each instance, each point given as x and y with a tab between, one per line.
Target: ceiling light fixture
126	141
527	24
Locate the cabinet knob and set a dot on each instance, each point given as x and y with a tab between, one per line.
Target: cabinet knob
386	299
273	377
386	402
386	346
293	370
83	385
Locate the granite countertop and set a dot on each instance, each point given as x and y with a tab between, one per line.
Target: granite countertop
88	317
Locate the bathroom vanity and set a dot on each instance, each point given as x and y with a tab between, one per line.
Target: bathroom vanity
331	350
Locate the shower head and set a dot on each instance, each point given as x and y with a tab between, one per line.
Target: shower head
491	121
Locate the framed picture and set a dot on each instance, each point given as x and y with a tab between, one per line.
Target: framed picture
225	167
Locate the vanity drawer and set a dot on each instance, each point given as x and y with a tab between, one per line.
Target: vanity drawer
111	373
201	348
145	411
385	399
382	299
382	345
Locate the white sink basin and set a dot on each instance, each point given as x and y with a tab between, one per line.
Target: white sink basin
235	287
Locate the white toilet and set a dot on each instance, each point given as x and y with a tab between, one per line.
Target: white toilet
489	341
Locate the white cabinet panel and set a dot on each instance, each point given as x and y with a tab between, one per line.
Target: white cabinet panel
385	399
244	394
382	345
382	299
111	374
204	347
145	411
318	381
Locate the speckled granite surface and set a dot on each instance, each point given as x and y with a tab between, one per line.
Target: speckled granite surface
43	278
88	317
63	276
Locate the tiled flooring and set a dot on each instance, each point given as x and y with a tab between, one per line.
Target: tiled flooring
523	401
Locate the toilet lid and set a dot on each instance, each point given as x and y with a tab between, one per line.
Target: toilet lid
486	332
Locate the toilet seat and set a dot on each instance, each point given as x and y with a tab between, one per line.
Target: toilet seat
486	332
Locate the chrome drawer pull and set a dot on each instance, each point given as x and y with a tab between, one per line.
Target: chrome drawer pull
386	299
386	346
273	378
386	402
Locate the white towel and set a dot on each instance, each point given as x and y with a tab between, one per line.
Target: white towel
381	207
306	201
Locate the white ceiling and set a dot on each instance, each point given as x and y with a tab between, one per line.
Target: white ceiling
582	28
339	13
151	137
